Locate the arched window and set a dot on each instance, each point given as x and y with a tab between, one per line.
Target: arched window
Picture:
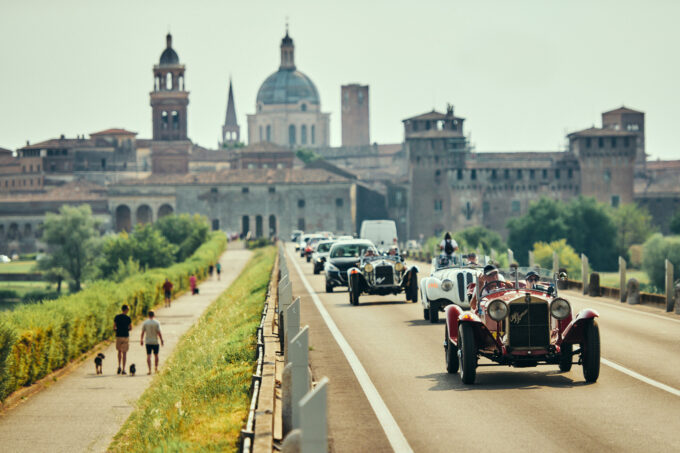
303	107
164	120
291	134
272	226
258	226
303	134
175	120
313	138
168	81
269	133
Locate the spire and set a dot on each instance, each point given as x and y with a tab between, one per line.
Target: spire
230	130
287	52
168	40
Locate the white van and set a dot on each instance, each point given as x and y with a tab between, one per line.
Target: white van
383	233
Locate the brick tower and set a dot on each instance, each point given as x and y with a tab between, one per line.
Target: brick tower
355	122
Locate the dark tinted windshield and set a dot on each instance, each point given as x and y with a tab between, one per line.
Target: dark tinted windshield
324	247
349	250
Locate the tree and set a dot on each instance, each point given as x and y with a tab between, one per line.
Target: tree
52	271
480	237
116	249
591	230
633	226
543	255
675	223
151	248
543	223
72	236
654	254
185	231
306	155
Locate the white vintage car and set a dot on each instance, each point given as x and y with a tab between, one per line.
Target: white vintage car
447	284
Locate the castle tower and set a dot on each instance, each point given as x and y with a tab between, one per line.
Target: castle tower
355	122
231	131
629	120
169	100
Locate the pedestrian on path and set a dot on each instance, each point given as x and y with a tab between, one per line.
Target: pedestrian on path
192	284
123	325
211	271
152	329
167	288
219	269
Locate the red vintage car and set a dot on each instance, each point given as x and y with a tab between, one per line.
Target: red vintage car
520	321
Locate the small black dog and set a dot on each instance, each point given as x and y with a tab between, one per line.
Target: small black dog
133	369
98	363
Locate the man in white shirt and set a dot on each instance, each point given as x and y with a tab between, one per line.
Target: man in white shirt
152	329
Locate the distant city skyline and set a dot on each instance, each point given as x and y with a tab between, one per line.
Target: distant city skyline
522	73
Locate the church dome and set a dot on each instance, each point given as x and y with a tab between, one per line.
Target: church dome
169	56
287	86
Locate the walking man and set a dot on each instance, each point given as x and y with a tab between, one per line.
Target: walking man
192	284
218	266
167	288
152	329
123	325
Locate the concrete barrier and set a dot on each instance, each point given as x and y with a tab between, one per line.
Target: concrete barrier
313	419
670	289
594	285
291	327
622	279
633	292
298	353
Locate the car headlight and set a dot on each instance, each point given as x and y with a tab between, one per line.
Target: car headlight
447	285
368	267
332	268
399	266
497	310
560	308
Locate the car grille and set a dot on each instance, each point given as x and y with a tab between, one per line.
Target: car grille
529	325
384	275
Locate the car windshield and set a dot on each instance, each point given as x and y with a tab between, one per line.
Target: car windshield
350	250
323	247
527	277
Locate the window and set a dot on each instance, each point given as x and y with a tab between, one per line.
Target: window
545	174
360	96
269	133
175	120
313	135
260	133
473	174
626	142
468	210
615	201
213	190
600	142
438	205
301	223
103	164
303	134
506	173
532	174
437	174
557	174
613	142
272	189
164	120
587	143
303	107
570	173
493	174
216	224
607	176
519	174
339	202
291	134
516	206
245	190
485	207
301	203
632	127
460	174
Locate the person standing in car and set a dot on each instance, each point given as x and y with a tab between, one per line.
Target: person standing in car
449	245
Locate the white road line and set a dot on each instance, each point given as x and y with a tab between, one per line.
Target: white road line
624	308
639	377
389	424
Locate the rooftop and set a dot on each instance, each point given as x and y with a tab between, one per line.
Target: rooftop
622	109
242	176
73	191
599	132
113	131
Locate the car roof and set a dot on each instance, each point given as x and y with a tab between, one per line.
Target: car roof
354	241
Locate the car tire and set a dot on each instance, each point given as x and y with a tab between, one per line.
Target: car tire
566	358
467	353
434	313
451	352
316	270
412	292
353	293
591	351
329	287
426	314
308	258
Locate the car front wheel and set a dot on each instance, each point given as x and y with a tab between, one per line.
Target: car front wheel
426	313
566	357
434	313
451	351
467	353
329	287
591	351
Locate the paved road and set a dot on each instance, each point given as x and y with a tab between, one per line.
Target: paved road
83	411
532	409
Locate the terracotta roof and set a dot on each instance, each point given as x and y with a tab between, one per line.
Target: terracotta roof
209	155
113	131
433	115
599	132
264	146
73	191
622	109
242	176
61	143
663	165
325	165
5	151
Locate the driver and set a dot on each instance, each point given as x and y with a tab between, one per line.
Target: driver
369	252
532	279
393	251
472	259
489	282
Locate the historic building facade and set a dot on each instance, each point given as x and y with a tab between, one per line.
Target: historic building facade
288	108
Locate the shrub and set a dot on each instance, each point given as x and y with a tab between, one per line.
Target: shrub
655	251
39	338
257	243
8	294
635	256
543	256
39	296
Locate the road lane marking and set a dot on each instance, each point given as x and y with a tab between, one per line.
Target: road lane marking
389	424
639	377
624	308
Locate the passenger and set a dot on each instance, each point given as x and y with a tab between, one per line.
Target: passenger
472	259
485	283
394	251
369	252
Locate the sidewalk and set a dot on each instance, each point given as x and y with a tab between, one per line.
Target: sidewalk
82	411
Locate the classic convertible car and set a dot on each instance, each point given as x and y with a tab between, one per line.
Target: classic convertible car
520	321
447	284
382	273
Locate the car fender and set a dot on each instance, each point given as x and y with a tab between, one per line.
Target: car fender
408	275
452	313
432	288
423	296
574	332
355	273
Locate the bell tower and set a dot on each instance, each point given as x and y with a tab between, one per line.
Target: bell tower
170	147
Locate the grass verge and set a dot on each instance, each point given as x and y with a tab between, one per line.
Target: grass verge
200	401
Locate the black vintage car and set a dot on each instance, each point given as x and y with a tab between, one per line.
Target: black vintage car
343	256
382	274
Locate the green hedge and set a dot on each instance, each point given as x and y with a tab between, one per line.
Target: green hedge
39	338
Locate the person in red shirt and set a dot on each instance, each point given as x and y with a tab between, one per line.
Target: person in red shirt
192	283
167	288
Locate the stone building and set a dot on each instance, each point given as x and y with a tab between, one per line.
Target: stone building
629	120
288	108
659	191
355	119
20	174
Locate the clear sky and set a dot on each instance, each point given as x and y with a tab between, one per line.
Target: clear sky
523	73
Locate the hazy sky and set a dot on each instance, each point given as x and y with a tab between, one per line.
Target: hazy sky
522	73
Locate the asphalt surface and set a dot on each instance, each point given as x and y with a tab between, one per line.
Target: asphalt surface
634	406
82	411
